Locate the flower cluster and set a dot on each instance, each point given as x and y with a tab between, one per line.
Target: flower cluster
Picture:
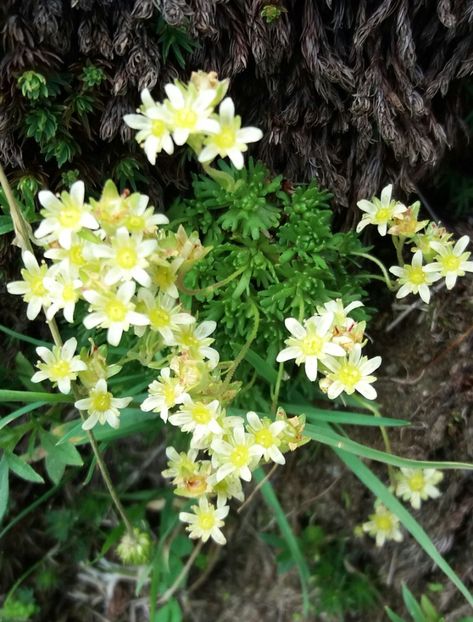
413	485
435	254
188	115
331	342
224	449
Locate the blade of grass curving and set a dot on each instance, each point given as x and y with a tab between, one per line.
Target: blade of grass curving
4	421
371	481
20	337
272	501
33	396
327	436
345	417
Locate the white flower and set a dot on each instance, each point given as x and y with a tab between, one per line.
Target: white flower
237	455
60	365
65	216
266	437
310	343
125	258
228	488
415	278
417	485
380	212
164	393
114	311
206	521
351	374
64	293
141	218
154	135
231	139
164	315
33	287
383	525
69	260
164	275
451	261
195	341
199	418
102	406
180	465
338	310
188	112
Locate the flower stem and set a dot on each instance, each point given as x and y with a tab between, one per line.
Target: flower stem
398	245
381	266
277	388
181	576
244	350
209	288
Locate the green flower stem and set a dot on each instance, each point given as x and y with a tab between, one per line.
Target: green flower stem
384	433
209	288
93	443
277	388
168	594
398	245
21	229
244	350
381	266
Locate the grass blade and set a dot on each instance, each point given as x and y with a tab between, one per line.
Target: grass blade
271	500
377	487
345	417
327	436
20	337
33	396
4	421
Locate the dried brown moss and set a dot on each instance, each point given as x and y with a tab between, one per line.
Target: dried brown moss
353	93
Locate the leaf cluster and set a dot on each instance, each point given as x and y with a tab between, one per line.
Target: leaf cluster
279	243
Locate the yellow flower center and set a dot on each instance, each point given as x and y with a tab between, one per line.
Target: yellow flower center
69	294
265	438
115	310
226	138
187	339
101	401
416	482
127	257
186	118
201	414
206	521
383	215
69	217
169	394
75	255
349	375
240	456
159	317
163	277
383	523
60	369
415	275
451	263
312	345
135	224
157	128
37	286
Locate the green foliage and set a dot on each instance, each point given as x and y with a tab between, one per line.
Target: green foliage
279	246
422	610
19	608
175	42
33	85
